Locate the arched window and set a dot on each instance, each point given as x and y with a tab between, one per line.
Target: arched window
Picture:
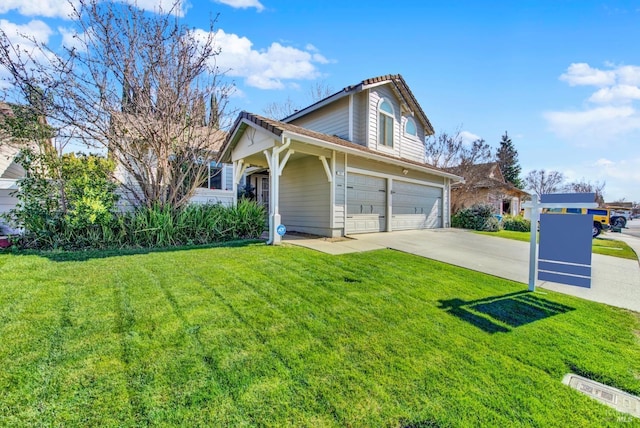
410	127
385	123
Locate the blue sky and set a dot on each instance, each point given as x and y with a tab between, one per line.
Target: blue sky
562	77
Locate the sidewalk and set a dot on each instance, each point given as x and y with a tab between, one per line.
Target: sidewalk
615	281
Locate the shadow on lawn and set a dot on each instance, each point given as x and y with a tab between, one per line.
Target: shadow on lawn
84	255
497	314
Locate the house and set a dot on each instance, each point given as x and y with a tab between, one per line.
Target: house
10	173
351	163
205	144
485	184
10	170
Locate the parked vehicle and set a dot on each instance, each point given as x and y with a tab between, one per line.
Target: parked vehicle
619	218
601	217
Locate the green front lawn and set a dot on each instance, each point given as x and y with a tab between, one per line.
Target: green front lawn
600	245
283	336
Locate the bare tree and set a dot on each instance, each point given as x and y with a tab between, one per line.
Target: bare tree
280	110
471	161
541	181
449	150
584	186
142	86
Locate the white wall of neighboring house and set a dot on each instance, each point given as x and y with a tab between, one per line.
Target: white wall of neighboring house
7	202
202	195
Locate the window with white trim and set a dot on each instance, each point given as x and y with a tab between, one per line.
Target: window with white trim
410	127
385	123
215	177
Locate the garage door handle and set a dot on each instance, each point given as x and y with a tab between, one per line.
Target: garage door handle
349	187
382	190
392	192
371	209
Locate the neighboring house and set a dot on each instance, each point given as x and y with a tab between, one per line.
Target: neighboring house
353	162
485	184
10	171
217	188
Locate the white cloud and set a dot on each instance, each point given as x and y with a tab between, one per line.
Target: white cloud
614	94
620	176
611	115
242	4
583	74
467	137
595	127
35	29
602	162
164	5
267	68
70	38
64	9
45	8
38	31
629	75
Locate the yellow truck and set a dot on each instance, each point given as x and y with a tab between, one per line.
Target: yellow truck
601	217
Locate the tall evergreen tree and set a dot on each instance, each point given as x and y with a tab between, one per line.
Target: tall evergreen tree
508	161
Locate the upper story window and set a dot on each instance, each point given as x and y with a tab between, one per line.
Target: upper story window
410	127
385	123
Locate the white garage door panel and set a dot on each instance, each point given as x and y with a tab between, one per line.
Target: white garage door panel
366	203
415	206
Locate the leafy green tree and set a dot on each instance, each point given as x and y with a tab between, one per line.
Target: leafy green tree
62	198
90	192
508	161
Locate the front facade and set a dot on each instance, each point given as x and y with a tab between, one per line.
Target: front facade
351	163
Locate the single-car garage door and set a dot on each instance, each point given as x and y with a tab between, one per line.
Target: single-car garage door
415	206
366	203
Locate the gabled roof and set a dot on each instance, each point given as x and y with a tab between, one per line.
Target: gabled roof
278	128
398	83
485	175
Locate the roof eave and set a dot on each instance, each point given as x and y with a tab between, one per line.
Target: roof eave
381	158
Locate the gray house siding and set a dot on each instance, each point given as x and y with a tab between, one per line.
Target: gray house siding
305	197
412	147
360	101
332	119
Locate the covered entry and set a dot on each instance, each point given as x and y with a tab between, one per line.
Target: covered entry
366	203
415	206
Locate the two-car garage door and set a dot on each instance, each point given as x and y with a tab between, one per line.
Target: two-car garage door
413	206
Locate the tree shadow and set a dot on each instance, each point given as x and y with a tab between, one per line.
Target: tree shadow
84	255
499	314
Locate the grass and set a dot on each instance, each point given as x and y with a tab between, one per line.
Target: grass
600	245
282	336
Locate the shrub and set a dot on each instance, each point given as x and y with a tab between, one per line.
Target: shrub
68	202
516	223
492	224
475	217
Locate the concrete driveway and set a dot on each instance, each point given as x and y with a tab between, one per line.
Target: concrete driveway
614	281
